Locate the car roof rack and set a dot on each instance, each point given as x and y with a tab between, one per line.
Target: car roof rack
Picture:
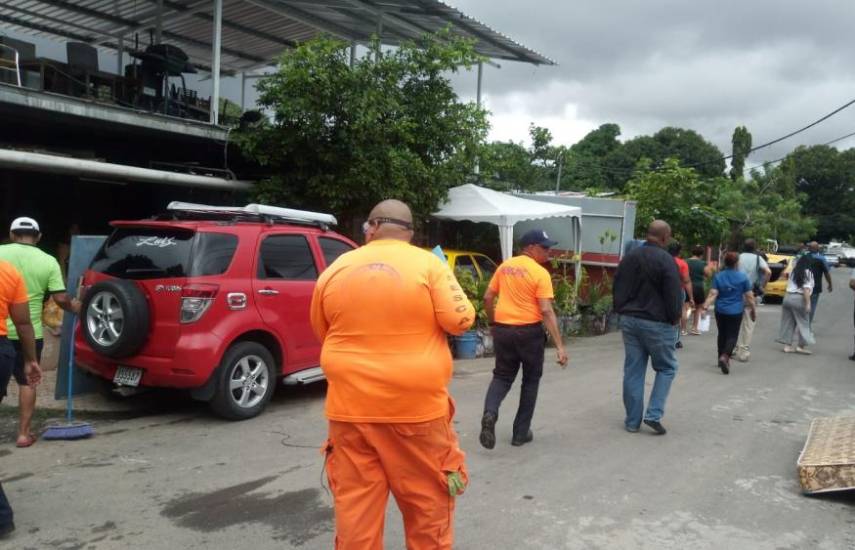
252	212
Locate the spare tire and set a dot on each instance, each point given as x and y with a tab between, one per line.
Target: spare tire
115	319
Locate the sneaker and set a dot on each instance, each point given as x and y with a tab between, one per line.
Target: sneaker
631	429
656	426
804	351
852	357
6	530
722	364
788	349
519	441
679	345
488	430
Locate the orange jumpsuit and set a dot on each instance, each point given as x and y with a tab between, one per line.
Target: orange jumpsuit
382	312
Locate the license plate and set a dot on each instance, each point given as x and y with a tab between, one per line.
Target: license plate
128	376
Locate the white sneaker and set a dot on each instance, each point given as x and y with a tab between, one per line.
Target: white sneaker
804	351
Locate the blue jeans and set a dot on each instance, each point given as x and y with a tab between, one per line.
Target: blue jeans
643	340
814	300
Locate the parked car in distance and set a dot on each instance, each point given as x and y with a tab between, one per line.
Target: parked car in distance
844	253
833	260
480	265
211	299
781	265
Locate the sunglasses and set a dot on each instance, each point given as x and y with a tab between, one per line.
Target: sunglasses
376	222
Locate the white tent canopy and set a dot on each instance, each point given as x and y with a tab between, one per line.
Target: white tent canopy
478	204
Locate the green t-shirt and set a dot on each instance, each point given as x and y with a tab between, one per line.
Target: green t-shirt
41	275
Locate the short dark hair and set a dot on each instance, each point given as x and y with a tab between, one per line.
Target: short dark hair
26	233
698	250
731	259
674	248
750	245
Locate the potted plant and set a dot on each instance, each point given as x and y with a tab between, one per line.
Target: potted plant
477	340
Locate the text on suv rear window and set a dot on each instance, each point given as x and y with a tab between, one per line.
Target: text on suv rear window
154	253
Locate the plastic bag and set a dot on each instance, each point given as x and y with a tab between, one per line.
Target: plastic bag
704	324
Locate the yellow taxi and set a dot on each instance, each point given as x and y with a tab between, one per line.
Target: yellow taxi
781	266
480	265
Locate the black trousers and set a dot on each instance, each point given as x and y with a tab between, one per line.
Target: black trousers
515	347
7	360
728	332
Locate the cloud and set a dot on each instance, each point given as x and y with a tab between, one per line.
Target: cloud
771	65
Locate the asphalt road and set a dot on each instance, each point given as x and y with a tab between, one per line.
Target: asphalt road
723	477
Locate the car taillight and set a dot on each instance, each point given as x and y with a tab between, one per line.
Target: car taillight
195	301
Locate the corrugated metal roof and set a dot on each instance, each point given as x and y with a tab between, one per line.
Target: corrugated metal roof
254	31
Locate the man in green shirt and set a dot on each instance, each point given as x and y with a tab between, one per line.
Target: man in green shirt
42	277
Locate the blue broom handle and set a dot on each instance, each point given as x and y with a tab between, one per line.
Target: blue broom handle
69	415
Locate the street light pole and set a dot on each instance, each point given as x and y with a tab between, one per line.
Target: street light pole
558	179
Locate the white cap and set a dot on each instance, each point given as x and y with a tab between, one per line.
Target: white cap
25	224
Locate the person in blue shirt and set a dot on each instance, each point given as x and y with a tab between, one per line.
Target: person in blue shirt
732	293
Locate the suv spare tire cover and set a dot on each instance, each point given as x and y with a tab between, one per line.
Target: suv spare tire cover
115	318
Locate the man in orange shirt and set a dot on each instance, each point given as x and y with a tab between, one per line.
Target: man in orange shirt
524	289
382	313
14	304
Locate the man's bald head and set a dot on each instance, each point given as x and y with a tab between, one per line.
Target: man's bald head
659	232
390	219
813	246
392	208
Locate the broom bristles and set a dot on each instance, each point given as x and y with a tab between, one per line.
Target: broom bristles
70	432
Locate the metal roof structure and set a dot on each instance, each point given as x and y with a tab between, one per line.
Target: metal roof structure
254	32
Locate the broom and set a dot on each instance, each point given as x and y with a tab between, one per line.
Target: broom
71	429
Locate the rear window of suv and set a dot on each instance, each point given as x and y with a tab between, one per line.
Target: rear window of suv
155	253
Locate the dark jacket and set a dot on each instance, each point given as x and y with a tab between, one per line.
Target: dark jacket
647	286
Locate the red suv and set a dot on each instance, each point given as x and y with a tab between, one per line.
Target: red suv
211	299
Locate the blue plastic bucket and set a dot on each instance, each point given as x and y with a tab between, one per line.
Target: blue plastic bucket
466	345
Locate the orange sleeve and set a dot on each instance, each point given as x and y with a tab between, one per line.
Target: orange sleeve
17	290
544	285
453	310
316	311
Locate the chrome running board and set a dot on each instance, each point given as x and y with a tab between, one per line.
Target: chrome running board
307	376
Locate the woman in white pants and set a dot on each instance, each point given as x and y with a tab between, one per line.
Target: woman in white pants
795	331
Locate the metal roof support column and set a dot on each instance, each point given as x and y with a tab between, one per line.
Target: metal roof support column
242	90
158	26
379	36
120	70
478	99
215	66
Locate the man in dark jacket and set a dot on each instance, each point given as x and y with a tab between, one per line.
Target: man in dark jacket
647	294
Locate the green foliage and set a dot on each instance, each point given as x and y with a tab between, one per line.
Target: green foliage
474	290
678	196
741	142
826	177
341	139
510	166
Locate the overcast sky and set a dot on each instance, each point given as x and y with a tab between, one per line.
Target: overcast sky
771	65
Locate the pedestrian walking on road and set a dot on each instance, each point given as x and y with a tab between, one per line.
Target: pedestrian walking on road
14	305
757	270
524	291
852	286
648	296
43	278
795	331
732	294
382	313
675	248
819	268
698	272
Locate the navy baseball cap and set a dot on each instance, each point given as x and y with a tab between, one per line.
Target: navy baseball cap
539	237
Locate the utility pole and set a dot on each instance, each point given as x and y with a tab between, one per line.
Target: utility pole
558	179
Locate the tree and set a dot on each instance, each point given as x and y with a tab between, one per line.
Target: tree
507	165
741	142
826	177
341	139
678	196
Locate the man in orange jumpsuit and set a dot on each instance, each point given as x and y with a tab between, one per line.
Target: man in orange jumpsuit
382	313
